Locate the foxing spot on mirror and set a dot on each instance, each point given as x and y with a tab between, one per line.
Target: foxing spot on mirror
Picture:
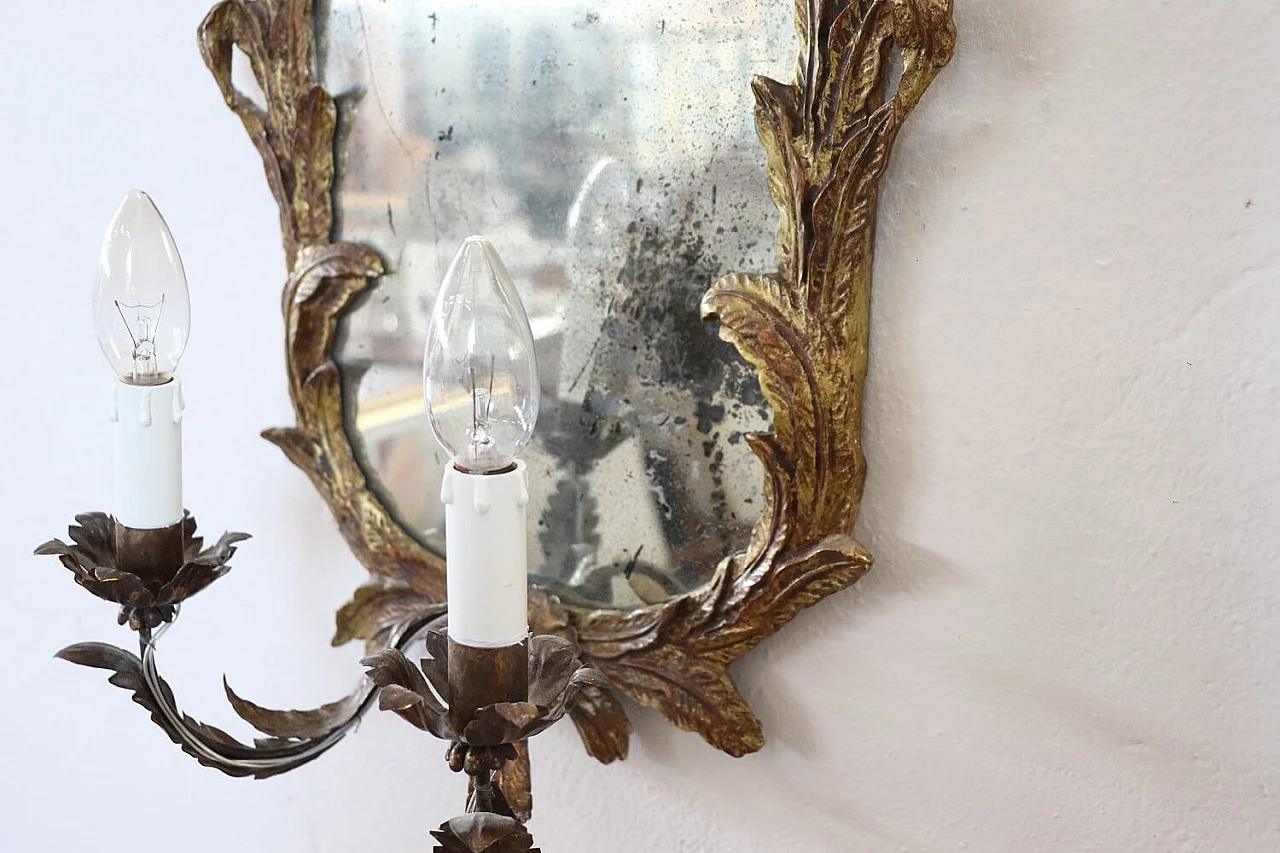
610	154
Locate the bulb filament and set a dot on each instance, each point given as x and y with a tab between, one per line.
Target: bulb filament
142	331
481	411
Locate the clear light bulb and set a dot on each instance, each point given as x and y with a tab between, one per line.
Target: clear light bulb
480	375
140	304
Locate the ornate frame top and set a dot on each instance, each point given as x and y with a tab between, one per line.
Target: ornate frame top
828	136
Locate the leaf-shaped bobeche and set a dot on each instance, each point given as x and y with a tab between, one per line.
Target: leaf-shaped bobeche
98	565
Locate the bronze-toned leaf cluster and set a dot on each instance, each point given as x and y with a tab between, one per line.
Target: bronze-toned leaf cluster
483	833
490	744
806	328
207	744
293	738
421	696
96	565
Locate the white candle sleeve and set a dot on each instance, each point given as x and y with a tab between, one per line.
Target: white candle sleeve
147	454
487	569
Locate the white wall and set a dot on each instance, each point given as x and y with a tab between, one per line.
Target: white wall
1070	639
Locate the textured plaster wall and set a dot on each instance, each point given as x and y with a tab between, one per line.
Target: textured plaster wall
1070	640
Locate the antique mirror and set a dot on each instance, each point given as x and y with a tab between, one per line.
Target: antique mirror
694	241
611	157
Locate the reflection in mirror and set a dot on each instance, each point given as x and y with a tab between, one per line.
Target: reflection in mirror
609	153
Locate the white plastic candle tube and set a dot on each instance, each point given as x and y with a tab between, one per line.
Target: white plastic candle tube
487	570
146	430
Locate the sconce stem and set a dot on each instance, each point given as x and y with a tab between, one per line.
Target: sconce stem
481	796
144	641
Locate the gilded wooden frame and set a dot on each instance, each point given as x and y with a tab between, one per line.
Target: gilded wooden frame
828	137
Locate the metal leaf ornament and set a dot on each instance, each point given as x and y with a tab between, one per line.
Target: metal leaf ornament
483	833
556	676
95	564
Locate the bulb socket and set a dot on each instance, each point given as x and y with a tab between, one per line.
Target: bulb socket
154	555
505	469
146	380
479	677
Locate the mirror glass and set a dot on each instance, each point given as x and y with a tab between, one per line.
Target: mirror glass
609	153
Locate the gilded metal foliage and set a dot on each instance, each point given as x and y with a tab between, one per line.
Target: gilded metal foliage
806	328
294	134
828	137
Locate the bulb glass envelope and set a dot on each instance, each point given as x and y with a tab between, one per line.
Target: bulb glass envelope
141	308
480	376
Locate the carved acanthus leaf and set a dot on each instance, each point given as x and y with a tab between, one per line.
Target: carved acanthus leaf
806	329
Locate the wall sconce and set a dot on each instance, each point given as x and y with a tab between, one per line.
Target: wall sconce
489	682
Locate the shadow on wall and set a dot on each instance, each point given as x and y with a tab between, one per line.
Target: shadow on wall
1003	56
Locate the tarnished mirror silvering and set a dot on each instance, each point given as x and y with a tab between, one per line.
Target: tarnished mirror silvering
609	153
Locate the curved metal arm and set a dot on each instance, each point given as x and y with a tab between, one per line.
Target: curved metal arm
294	737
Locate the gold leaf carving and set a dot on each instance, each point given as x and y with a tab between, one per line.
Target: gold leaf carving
295	137
806	329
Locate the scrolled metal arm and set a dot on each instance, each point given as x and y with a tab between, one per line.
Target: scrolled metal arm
104	559
293	737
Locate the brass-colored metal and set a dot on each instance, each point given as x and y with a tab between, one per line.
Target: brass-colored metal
555	675
828	137
105	559
485	676
155	556
506	469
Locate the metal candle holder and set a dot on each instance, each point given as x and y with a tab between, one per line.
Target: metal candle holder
486	702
